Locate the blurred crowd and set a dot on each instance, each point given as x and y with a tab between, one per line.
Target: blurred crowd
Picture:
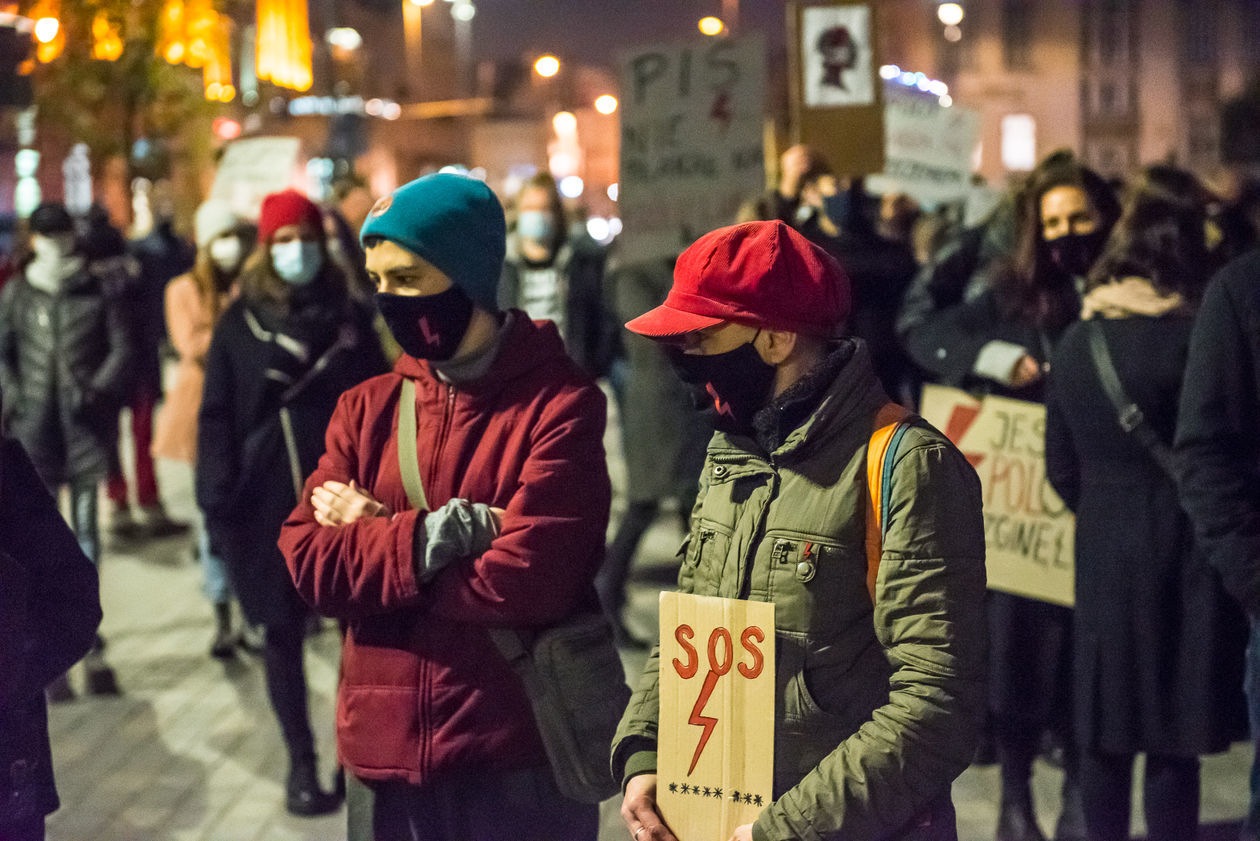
226	351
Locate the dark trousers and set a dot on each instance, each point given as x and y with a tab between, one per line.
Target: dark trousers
1170	796
31	829
521	805
286	684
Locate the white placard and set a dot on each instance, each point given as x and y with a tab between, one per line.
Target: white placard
930	149
836	56
252	168
691	141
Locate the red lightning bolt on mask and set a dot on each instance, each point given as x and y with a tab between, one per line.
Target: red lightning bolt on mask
723	408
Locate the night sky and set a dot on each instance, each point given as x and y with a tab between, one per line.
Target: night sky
593	31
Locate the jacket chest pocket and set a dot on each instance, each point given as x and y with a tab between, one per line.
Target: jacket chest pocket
818	586
705	555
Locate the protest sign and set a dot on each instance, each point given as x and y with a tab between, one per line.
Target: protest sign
929	148
691	142
715	741
836	95
1029	534
252	168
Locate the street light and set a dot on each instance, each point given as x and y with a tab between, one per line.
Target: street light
547	66
950	14
46	30
711	26
345	38
422	2
606	104
564	123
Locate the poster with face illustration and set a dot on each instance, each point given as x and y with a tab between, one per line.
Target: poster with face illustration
836	56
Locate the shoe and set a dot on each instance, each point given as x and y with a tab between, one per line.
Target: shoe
101	679
158	524
1016	822
122	524
304	797
223	646
59	691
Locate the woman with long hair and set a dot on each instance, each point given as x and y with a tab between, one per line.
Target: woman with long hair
999	340
1157	645
193	303
280	357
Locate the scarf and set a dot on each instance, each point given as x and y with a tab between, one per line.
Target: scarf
1128	297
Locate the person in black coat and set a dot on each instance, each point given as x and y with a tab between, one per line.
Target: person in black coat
49	610
65	353
558	277
1156	642
1218	454
998	340
280	357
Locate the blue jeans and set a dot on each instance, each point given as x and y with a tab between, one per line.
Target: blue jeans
215	583
1252	688
84	517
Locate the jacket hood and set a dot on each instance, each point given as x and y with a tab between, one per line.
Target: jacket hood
526	346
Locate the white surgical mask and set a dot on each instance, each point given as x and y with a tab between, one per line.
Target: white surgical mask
297	262
54	261
226	252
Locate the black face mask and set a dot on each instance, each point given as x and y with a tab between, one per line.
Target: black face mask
729	387
427	326
1074	254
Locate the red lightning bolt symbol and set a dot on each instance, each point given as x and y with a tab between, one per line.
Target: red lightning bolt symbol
723	408
706	721
960	420
429	335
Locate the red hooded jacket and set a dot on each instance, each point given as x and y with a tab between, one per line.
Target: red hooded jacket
423	688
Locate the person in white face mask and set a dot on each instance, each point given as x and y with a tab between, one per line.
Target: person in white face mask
194	302
280	357
65	355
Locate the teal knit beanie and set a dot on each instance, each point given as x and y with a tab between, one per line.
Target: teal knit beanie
454	222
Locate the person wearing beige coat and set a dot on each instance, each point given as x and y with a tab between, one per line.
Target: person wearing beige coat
193	303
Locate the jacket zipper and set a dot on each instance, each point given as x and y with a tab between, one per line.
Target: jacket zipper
444	432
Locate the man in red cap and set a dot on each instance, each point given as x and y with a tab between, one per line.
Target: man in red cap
880	656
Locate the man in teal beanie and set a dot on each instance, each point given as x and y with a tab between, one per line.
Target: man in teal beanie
489	512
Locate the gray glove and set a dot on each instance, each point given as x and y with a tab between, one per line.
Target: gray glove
459	529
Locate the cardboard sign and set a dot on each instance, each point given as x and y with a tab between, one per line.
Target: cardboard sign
837	98
929	148
252	168
691	142
715	743
1029	534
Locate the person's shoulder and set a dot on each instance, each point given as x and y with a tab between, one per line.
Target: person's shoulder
1240	278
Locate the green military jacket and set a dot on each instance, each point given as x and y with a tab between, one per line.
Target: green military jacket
878	707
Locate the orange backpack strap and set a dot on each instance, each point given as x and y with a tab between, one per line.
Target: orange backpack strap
890	422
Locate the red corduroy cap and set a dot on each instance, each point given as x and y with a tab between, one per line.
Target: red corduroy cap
288	207
761	273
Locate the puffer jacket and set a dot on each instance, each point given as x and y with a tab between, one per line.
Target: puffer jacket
424	691
877	707
64	371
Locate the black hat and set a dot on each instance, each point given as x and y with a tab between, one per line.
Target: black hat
50	218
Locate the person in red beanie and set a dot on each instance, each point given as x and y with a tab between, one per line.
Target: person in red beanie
280	357
880	639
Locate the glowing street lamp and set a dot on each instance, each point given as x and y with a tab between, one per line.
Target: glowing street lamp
950	14
547	66
46	30
711	26
422	2
606	104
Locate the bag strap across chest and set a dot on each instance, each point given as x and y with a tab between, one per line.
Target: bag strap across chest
891	423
